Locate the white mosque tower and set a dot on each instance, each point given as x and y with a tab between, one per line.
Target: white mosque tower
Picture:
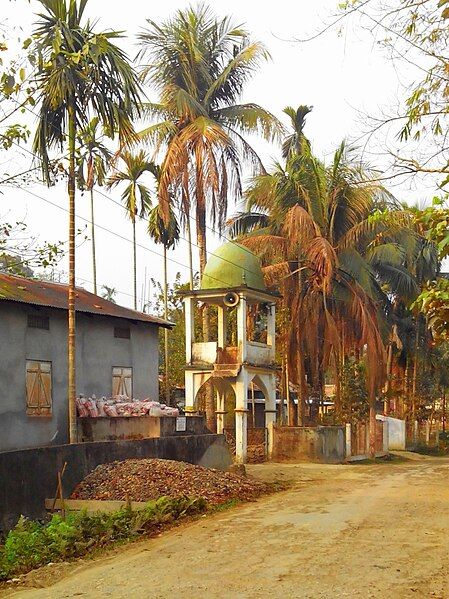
244	349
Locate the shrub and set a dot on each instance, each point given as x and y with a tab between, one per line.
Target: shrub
31	544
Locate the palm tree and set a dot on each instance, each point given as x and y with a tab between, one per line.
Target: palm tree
200	65
81	73
136	196
332	239
168	236
93	159
109	293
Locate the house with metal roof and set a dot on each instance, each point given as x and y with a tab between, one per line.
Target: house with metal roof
117	353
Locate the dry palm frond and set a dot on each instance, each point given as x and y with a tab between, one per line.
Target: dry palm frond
299	227
276	275
269	248
323	260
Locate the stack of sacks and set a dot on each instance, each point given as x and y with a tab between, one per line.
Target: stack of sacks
120	405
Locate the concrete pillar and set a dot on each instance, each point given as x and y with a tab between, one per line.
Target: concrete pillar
386	435
190	392
348	440
270	412
241	416
241	328
222	324
220	411
189	305
271	330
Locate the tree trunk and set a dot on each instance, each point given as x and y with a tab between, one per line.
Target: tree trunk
389	376
202	248
302	390
94	260
167	383
372	429
415	368
71	297
134	260
291	414
338	371
189	239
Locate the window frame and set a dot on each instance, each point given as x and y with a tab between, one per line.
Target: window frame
42	318
122	383
126	330
40	410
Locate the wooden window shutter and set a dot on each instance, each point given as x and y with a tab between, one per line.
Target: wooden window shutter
122	381
38	388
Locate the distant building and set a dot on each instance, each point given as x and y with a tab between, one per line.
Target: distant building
116	353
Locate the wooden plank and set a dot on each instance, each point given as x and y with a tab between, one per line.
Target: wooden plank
91	505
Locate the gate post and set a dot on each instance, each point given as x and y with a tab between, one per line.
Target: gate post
348	440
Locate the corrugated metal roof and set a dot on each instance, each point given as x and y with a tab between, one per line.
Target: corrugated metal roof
55	295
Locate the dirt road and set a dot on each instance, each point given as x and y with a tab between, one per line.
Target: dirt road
341	531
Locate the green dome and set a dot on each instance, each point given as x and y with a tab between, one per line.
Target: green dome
232	265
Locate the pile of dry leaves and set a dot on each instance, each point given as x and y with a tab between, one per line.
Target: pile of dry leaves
145	479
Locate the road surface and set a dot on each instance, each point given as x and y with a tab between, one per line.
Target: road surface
340	531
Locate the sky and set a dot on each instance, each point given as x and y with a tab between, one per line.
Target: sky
343	74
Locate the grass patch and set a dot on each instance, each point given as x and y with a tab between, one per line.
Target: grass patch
31	544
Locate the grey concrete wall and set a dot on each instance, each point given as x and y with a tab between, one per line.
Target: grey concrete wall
28	477
136	427
97	352
304	444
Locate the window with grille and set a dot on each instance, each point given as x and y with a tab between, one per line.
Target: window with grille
38	388
122	332
36	321
122	381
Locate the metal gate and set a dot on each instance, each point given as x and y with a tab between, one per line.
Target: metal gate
256	443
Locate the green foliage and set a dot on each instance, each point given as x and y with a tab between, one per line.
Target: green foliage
354	393
72	56
20	252
176	337
31	544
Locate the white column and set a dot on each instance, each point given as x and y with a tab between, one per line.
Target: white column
241	328
189	305
220	411
271	330
348	440
222	318
241	417
270	411
190	391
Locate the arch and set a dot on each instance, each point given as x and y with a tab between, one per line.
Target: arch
257	380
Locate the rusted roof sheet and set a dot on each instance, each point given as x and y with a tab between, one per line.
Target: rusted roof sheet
55	295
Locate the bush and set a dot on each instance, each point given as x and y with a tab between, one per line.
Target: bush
31	544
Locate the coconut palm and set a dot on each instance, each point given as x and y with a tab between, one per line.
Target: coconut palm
93	159
109	293
325	234
136	196
200	64
81	73
168	236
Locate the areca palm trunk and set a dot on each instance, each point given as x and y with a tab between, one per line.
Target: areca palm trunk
415	368
71	297
134	260
92	219
167	387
